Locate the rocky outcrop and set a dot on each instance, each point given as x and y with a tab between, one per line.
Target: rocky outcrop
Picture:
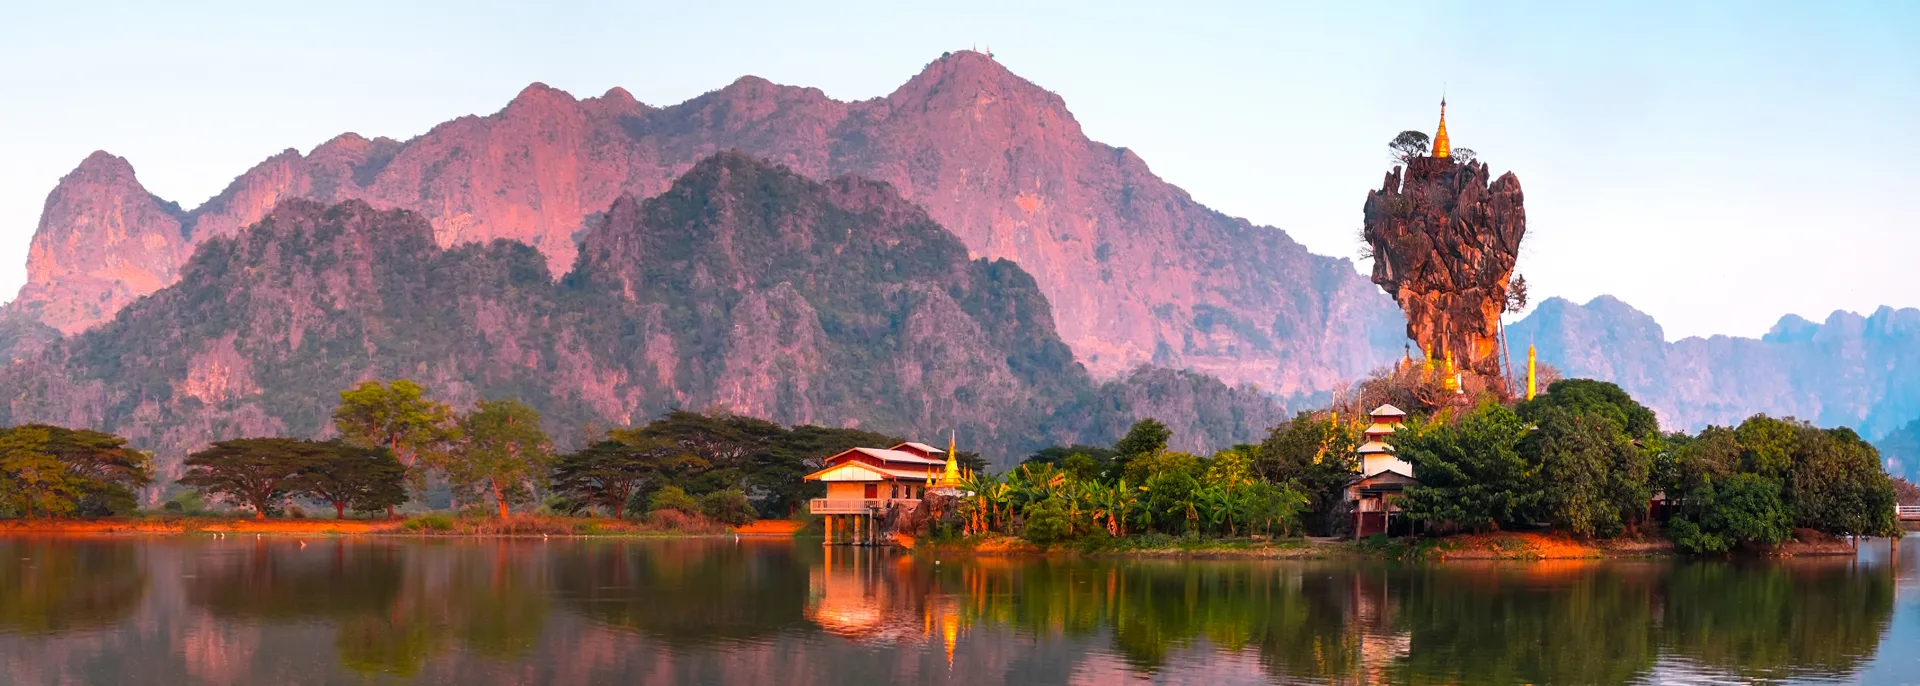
1136	271
103	241
1444	241
744	287
1849	370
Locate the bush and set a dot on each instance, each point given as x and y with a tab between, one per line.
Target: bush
173	506
430	522
1047	522
727	506
672	519
1729	511
673	498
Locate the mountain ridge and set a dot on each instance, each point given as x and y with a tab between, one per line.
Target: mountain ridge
1137	272
744	288
1860	371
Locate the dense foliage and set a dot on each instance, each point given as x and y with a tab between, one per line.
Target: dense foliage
1137	486
53	471
1586	459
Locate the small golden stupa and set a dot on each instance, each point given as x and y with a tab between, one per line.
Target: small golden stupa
1440	146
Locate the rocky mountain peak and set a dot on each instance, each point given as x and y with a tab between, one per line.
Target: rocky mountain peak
101	167
540	96
103	241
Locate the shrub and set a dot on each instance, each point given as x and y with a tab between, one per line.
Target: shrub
173	506
672	519
673	498
430	522
1729	511
727	506
1047	522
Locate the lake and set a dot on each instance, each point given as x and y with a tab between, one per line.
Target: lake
241	610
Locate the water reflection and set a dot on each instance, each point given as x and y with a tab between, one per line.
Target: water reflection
49	586
719	611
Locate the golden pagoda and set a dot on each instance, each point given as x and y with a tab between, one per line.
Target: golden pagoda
950	475
1440	147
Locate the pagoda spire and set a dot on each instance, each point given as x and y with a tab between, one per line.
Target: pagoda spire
1440	147
950	476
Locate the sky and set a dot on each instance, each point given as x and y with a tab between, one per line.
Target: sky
1716	165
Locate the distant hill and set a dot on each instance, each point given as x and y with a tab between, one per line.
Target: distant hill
1850	370
744	287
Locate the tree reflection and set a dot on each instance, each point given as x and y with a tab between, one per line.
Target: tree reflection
53	586
1822	617
1585	622
281	581
685	592
1548	622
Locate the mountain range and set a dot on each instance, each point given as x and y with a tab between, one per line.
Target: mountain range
744	287
1153	304
1137	272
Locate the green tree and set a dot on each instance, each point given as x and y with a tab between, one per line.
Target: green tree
1594	479
345	475
397	416
107	470
502	451
256	472
1146	437
727	506
34	479
1408	145
1172	500
1840	487
1731	510
1230	467
1768	446
610	472
1048	521
1082	467
1145	467
1471	472
1589	397
673	498
1316	453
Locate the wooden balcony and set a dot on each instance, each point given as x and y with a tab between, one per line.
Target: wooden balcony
838	506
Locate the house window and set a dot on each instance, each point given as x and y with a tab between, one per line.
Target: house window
893	490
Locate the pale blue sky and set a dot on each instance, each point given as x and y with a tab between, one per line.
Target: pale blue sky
1714	164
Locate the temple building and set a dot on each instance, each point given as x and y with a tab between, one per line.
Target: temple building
865	483
1382	478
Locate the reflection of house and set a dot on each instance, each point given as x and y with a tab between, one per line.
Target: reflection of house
1383	475
864	482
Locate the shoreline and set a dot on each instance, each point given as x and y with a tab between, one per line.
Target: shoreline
528	526
1497	546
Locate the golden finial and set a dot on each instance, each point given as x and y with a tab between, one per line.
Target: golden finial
1530	374
1440	147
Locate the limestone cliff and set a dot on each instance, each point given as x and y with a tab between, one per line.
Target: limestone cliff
103	241
743	287
1444	241
1137	272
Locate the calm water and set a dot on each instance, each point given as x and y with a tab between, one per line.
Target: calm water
246	611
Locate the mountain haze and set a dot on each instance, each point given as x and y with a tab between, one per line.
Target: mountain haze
1135	270
1850	370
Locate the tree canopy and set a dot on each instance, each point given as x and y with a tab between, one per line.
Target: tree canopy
502	452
